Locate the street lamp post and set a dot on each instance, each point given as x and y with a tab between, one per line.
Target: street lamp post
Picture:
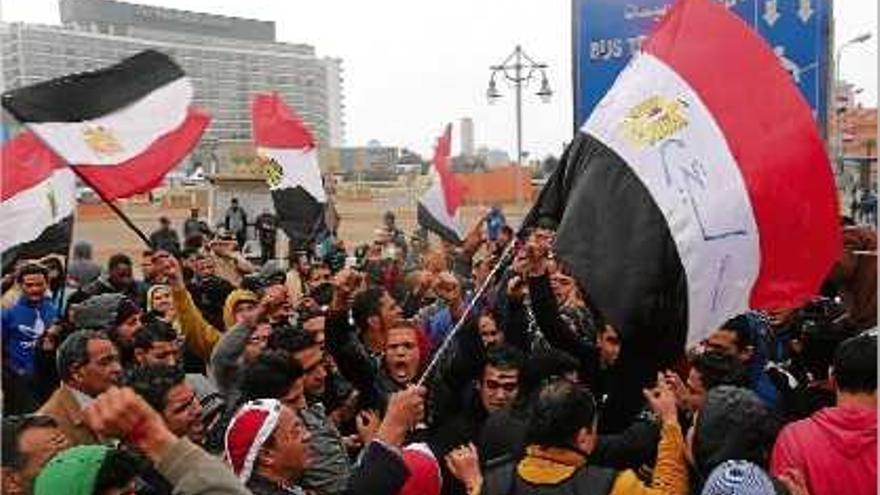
838	134
518	69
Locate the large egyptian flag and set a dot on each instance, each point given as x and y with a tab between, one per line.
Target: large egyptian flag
122	127
699	187
289	155
438	208
38	193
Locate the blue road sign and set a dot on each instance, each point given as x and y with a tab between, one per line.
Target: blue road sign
606	34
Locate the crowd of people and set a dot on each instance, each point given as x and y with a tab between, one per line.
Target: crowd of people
378	370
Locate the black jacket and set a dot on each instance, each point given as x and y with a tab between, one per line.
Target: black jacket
587	480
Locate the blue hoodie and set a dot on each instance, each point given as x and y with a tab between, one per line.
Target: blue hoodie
23	325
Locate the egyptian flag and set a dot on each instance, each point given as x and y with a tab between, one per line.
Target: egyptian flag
698	188
289	155
438	207
123	127
39	198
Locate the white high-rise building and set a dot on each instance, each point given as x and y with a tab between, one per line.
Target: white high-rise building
227	58
466	128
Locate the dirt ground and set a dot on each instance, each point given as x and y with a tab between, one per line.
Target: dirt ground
108	235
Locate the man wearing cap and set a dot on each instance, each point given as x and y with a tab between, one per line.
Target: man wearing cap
267	447
116	315
88	365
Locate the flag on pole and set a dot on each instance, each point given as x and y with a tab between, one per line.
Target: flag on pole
289	155
123	127
438	208
699	187
39	199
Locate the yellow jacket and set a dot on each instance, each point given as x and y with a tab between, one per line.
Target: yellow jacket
670	473
200	336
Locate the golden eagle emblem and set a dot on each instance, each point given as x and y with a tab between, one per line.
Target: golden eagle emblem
101	140
654	120
272	171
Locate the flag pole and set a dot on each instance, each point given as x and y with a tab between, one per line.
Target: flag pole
447	341
134	228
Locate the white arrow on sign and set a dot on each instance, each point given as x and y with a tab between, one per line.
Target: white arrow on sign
805	11
771	12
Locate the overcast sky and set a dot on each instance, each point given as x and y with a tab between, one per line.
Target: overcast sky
410	66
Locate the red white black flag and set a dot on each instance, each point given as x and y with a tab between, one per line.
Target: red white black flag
438	208
699	187
290	158
123	127
38	192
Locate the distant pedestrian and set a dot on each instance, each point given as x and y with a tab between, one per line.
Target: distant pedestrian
82	269
266	225
165	238
236	222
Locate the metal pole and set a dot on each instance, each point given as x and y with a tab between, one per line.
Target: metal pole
838	137
518	70
502	261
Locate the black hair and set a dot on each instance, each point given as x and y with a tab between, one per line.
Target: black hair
717	368
13	428
270	376
546	364
119	468
154	382
31	268
504	357
118	259
733	424
562	409
741	327
154	330
290	339
74	351
855	364
365	305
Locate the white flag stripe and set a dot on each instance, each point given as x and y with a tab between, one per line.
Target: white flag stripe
26	215
694	180
121	135
435	203
299	168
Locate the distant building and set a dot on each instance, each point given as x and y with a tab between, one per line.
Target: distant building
374	162
466	128
858	137
228	59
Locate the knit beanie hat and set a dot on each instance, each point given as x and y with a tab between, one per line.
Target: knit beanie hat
424	471
72	472
249	429
98	312
125	310
738	478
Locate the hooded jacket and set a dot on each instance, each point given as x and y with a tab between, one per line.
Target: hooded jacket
836	449
232	300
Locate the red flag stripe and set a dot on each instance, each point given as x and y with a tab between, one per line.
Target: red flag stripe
26	163
276	125
453	189
145	171
795	203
